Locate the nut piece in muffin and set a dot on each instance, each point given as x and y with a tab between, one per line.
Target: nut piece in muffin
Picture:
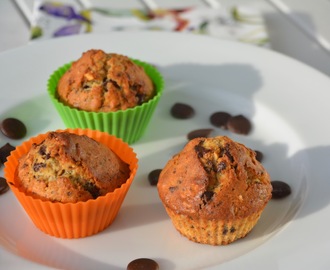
104	82
66	167
214	190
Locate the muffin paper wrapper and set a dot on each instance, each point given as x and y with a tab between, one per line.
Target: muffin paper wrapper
213	232
129	124
73	220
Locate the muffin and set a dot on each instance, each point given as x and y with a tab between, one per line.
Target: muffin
104	82
107	92
66	167
71	182
214	190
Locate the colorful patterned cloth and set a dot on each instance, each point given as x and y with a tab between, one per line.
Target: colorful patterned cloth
53	19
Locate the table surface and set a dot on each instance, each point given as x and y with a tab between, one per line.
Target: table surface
297	28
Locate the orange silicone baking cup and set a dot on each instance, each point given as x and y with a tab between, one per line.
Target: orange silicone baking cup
73	220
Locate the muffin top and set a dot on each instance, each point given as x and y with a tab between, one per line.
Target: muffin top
104	82
66	167
214	178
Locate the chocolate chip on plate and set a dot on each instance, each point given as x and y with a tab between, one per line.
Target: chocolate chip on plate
220	119
3	185
13	128
182	111
280	189
203	132
5	152
143	264
153	176
239	124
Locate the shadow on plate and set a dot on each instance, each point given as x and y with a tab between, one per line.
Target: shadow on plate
190	83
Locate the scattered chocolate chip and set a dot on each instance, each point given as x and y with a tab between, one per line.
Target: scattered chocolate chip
5	152
239	124
143	264
197	133
3	185
13	128
182	111
220	119
280	189
153	176
259	155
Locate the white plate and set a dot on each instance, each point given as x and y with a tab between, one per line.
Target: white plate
287	103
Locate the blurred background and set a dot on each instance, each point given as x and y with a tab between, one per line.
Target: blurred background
297	28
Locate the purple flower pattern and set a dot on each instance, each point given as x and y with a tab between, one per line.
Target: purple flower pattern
68	13
62	11
59	19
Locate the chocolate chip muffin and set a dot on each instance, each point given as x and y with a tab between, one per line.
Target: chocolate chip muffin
214	190
66	167
104	82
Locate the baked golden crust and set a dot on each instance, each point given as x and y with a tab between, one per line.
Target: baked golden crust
104	82
214	180
66	167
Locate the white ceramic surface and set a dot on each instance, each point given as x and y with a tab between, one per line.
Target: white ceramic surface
287	103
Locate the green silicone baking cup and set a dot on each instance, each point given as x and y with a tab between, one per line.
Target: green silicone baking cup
129	124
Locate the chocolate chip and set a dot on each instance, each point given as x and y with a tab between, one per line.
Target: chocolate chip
280	189
3	185
42	150
197	133
13	128
38	165
259	155
5	152
239	124
153	176
226	151
92	189
200	150
114	83
182	111
226	230
220	119
207	196
141	98
143	264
